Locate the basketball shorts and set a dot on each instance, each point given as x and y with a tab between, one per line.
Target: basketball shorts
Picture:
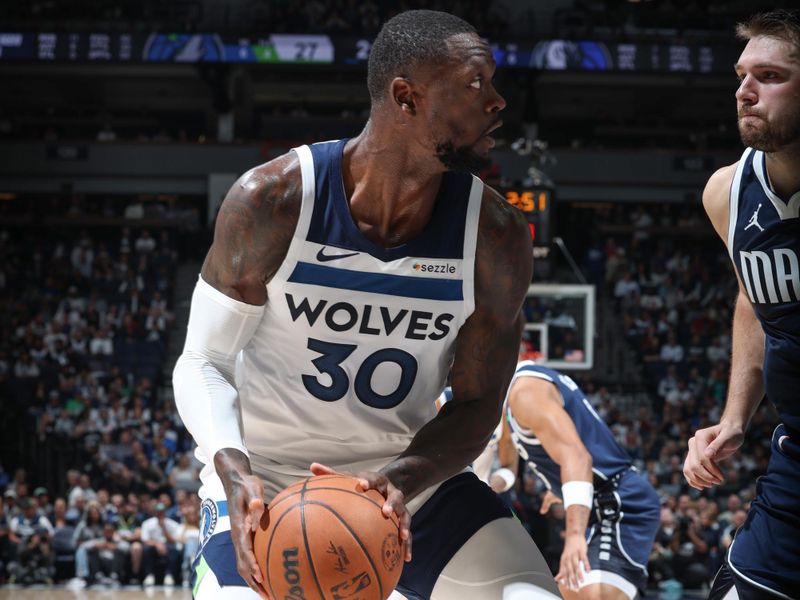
460	507
621	536
764	559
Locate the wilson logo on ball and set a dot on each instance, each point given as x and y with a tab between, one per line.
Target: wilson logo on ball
292	575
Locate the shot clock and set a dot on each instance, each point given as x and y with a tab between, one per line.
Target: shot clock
537	206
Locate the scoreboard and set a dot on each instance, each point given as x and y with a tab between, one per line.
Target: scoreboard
321	49
537	206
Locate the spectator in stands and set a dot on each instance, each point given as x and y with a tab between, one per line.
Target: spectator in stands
660	565
161	540
31	535
84	489
107	557
672	351
184	476
87	533
145	243
190	536
43	506
129	525
10	507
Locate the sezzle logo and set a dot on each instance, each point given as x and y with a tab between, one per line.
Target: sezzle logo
292	575
423	268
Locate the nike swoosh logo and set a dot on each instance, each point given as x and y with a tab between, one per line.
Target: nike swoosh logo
322	257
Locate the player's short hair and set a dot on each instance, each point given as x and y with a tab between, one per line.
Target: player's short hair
779	23
407	40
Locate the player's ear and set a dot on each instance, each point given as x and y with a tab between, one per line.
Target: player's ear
402	91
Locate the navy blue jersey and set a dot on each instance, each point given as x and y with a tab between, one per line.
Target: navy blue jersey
764	244
608	457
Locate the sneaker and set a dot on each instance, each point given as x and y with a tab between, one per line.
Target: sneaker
76	583
169	580
149	581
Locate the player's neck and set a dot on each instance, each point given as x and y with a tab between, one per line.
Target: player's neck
391	187
783	168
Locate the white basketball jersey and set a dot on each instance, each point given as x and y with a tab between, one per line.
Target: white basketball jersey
357	340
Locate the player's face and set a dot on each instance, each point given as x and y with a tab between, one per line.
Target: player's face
768	98
464	107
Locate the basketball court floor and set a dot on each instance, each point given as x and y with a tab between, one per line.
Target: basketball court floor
61	593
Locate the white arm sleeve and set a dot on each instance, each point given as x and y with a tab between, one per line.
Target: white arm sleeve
203	379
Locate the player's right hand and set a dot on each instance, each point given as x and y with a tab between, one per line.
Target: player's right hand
574	562
707	449
246	507
395	499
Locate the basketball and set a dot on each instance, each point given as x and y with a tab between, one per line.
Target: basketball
323	538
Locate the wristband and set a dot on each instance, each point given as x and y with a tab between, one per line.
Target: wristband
506	475
577	492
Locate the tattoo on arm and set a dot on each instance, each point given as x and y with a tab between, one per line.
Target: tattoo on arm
254	228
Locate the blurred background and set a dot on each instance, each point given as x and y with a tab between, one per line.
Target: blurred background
123	124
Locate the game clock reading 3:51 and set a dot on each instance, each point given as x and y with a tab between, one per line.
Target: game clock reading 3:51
536	205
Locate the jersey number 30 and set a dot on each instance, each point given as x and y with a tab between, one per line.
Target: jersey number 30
332	356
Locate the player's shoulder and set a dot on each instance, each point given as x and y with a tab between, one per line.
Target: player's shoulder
503	231
277	182
504	255
719	184
497	213
716	197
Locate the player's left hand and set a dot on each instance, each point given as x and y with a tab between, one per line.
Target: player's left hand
547	501
395	500
574	562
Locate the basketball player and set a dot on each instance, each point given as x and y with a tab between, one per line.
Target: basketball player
344	281
754	206
612	511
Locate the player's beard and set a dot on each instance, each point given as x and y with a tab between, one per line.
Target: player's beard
771	136
463	158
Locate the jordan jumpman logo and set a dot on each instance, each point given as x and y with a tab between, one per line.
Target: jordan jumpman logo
754	220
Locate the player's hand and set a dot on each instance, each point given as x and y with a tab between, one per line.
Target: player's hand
246	507
547	501
574	562
395	500
707	448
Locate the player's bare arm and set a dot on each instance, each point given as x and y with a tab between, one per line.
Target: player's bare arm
506	450
253	230
486	353
536	404
251	238
711	445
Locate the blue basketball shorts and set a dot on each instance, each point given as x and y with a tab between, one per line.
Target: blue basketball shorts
764	558
622	531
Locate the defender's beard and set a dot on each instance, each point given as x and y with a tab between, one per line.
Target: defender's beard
463	158
769	136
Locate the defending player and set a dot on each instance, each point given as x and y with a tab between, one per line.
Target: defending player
345	280
754	206
550	424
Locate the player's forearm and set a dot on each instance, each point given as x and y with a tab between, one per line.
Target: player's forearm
576	466
206	397
232	466
576	520
746	386
207	402
442	448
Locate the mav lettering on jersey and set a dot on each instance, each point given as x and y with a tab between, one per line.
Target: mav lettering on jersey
372	320
771	277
